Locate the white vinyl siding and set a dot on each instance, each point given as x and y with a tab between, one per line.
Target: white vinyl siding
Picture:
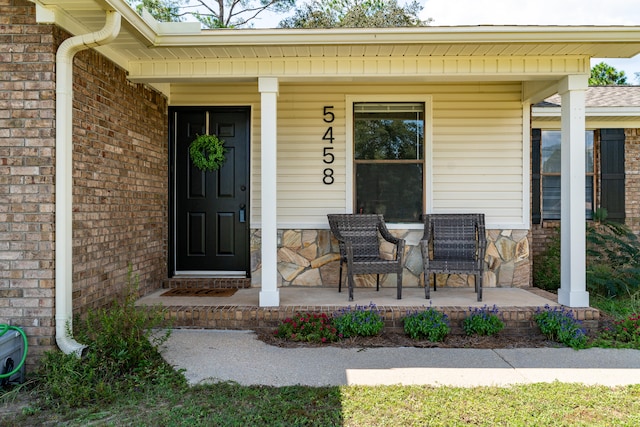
476	146
477	152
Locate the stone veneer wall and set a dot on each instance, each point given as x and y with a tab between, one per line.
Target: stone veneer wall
311	258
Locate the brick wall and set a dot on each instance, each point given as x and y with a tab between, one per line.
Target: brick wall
120	178
120	182
27	139
632	178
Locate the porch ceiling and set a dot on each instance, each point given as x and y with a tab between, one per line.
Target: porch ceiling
145	41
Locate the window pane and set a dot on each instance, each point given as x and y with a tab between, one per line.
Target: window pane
589	151
390	131
551	197
394	190
551	201
550	159
589	197
550	151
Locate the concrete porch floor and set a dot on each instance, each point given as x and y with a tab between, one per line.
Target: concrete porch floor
241	311
411	298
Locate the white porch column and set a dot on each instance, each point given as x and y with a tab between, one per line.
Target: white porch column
572	292
268	87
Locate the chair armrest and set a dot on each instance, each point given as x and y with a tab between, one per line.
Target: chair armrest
335	229
482	241
384	232
386	235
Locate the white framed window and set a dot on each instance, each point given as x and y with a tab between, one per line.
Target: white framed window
550	173
390	156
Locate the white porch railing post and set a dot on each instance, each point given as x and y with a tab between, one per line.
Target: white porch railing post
268	87
572	292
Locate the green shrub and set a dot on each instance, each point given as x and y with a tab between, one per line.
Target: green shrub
560	325
430	324
618	307
546	266
624	333
482	321
612	259
122	353
364	321
309	327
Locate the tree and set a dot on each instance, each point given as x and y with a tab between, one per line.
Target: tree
161	10
603	74
212	13
355	14
236	13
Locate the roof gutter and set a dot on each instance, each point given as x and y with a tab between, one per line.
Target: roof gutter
64	176
405	35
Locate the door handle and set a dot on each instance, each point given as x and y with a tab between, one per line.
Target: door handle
243	213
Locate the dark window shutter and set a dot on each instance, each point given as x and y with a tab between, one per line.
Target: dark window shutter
612	191
536	136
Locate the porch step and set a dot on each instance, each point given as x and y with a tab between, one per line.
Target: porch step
518	320
207	282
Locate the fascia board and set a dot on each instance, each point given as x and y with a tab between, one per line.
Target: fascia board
421	35
626	39
146	28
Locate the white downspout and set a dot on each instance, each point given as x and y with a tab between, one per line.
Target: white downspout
64	176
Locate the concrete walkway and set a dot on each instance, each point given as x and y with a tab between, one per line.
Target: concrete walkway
214	355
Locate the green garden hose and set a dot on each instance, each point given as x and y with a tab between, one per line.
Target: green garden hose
4	329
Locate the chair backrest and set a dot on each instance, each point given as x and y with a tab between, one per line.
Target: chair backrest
455	236
359	229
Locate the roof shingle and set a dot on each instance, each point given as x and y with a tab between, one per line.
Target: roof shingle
603	96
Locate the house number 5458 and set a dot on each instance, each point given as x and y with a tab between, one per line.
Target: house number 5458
327	155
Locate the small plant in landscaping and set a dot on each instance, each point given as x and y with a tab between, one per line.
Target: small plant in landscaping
559	324
624	333
122	354
310	327
612	258
482	321
364	321
430	324
546	265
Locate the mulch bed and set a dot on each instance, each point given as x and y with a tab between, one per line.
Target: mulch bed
398	339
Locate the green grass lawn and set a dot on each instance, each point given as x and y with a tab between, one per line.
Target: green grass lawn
110	389
228	404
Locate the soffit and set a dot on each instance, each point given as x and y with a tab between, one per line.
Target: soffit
145	40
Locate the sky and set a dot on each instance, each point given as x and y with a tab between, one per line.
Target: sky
530	12
541	12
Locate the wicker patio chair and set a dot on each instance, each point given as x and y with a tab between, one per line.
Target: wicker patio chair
453	243
357	235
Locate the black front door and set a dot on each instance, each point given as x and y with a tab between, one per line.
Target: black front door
211	209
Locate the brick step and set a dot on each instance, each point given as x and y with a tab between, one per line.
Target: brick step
518	320
207	282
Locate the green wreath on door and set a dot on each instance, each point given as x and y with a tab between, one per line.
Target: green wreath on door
207	152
